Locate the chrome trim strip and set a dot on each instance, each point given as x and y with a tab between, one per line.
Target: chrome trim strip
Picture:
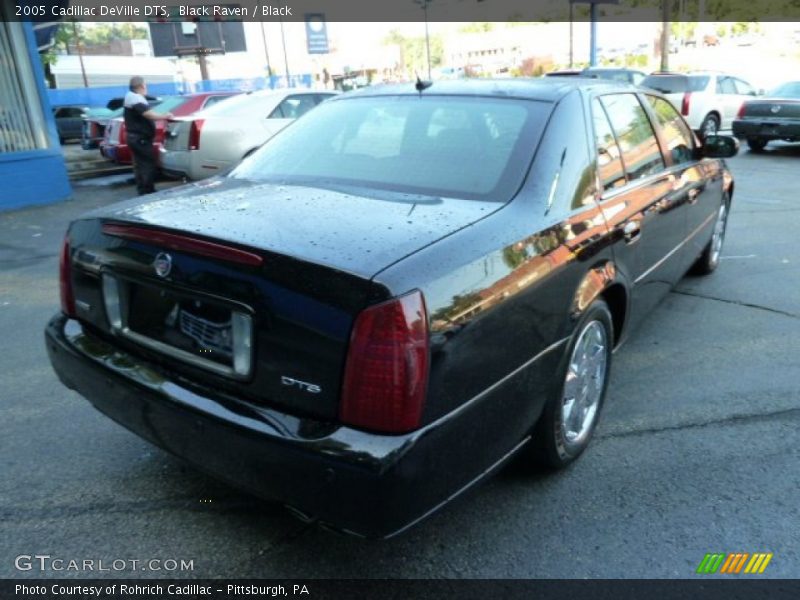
674	250
463	489
177	353
117	321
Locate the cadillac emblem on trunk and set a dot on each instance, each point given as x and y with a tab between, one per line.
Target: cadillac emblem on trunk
162	264
776	108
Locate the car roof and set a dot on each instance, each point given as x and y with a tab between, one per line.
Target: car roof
548	89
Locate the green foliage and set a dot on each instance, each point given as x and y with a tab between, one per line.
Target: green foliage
103	33
476	27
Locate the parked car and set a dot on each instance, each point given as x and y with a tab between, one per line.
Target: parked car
775	117
115	140
217	138
395	294
613	73
94	126
69	121
564	73
708	101
616	74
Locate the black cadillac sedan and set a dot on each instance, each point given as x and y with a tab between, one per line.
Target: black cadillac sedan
774	117
395	294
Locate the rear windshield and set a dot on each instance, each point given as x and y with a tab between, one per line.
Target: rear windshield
787	90
475	148
676	84
236	105
169	103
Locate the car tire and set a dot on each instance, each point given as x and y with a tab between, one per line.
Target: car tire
708	261
561	435
709	126
756	144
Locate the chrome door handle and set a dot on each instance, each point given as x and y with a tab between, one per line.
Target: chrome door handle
631	231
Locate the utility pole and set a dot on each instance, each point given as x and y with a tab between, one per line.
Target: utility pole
665	35
593	42
285	58
571	38
80	53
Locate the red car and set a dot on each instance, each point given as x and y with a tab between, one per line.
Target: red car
115	140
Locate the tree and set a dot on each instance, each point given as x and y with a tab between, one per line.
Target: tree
478	27
413	54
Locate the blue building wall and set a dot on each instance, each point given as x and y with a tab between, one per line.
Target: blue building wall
37	176
99	96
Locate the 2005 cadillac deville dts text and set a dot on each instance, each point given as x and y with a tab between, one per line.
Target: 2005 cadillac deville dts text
396	293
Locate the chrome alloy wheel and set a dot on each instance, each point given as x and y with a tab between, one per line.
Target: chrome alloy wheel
583	387
719	234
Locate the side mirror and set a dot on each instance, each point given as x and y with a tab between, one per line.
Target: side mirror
720	146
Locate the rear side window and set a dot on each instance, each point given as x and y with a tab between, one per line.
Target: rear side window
609	163
641	154
676	84
679	139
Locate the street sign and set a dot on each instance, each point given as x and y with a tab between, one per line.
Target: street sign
316	33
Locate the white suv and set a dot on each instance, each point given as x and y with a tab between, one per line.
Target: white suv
708	101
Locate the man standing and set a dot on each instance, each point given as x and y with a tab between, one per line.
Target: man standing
139	121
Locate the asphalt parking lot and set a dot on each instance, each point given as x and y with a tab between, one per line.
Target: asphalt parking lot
698	449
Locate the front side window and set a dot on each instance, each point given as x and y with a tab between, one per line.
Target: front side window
293	107
744	88
472	148
725	86
609	163
641	154
679	139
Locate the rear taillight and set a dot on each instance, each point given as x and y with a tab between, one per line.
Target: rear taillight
65	280
123	134
386	375
194	134
742	110
687	97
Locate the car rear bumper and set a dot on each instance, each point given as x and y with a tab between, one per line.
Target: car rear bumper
174	163
767	129
361	483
